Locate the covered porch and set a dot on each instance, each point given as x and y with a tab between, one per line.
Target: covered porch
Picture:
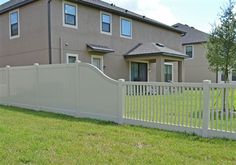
155	57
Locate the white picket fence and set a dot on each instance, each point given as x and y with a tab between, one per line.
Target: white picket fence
186	107
81	90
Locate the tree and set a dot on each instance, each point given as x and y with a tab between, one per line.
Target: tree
221	46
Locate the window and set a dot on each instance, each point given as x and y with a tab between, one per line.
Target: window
70	15
14	24
97	61
71	58
233	75
139	71
168	72
189	50
126	28
106	23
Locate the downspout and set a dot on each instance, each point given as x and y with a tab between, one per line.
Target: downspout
49	32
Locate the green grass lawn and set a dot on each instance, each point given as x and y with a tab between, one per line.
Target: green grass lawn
28	137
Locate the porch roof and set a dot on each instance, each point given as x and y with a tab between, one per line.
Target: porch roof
99	48
153	49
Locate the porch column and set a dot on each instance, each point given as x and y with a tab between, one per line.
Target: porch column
160	64
180	71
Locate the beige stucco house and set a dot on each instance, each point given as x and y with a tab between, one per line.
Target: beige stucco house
194	44
119	42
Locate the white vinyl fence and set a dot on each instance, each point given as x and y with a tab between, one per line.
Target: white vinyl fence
81	90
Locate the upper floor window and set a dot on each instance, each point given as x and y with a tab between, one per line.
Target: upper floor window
70	15
106	23
189	50
126	27
14	24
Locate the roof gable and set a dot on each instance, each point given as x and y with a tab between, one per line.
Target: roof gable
192	35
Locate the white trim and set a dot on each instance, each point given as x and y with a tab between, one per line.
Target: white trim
18	21
71	55
192	51
131	22
171	64
63	15
108	33
101	58
230	77
137	61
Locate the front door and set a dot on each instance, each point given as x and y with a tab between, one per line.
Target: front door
139	71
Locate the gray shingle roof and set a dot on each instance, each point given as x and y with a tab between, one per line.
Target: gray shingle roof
192	35
99	48
97	4
148	49
12	4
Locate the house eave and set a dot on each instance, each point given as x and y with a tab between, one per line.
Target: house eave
130	15
12	7
193	43
154	55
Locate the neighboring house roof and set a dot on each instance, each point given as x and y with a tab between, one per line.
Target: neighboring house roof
147	49
13	4
99	48
97	4
192	35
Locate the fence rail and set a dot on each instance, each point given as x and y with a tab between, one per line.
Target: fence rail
82	90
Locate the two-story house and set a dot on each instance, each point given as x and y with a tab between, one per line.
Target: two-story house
119	42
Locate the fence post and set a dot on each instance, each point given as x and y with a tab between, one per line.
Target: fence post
77	87
121	100
7	102
206	106
36	65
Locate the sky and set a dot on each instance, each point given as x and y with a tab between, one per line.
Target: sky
200	14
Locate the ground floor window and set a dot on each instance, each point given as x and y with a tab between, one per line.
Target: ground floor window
97	61
232	76
168	72
71	58
139	71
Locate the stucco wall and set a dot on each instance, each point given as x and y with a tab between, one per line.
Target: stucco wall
197	69
32	45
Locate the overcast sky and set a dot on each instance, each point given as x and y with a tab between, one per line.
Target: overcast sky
197	13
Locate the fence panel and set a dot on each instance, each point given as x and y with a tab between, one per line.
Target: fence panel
164	103
222	108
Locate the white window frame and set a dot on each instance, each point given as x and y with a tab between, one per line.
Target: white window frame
76	15
71	55
168	63
16	36
148	68
230	77
131	22
101	58
108	33
192	51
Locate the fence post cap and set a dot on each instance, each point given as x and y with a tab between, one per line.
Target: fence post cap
8	66
207	81
121	80
36	64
